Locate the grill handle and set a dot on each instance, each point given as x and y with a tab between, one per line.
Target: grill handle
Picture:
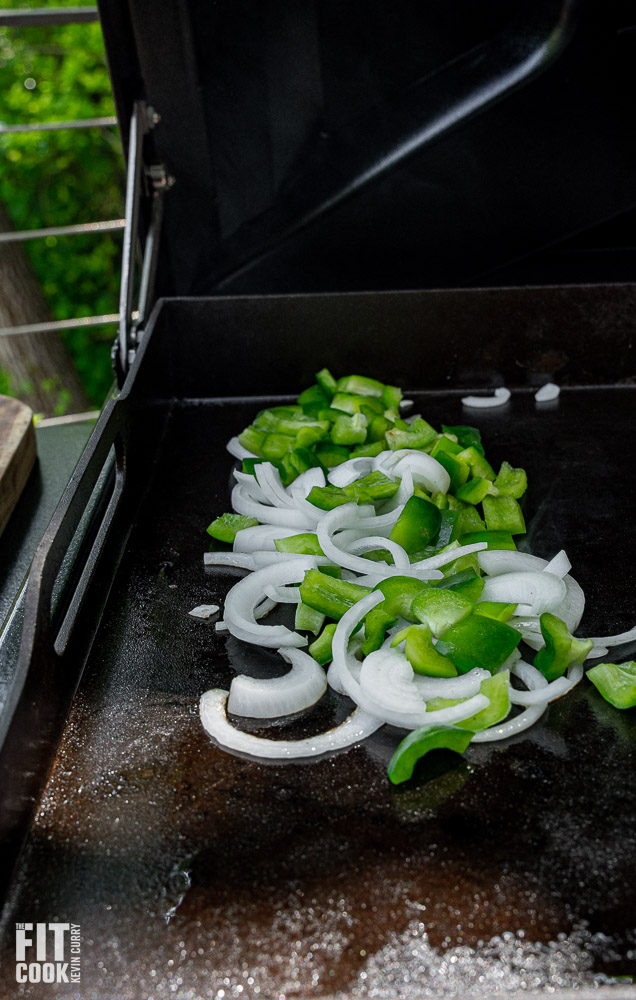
70	564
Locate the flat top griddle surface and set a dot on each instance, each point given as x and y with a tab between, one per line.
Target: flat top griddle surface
194	873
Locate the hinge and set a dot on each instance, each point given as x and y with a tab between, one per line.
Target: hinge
147	182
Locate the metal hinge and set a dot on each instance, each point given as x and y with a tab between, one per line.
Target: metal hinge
151	182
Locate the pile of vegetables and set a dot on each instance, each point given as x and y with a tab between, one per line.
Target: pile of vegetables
395	543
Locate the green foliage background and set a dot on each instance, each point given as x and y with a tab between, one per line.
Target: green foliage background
60	178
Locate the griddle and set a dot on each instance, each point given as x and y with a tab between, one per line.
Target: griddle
191	870
277	150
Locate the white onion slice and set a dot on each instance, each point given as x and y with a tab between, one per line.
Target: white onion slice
357	727
443	558
406	404
261	538
204	610
374	542
533	680
494	562
556	689
500	396
274	697
542	591
240	560
463	686
283	595
264	608
243	504
250	486
615	640
263	559
559	565
547	392
269	480
306	481
347	472
426	471
248	592
237	450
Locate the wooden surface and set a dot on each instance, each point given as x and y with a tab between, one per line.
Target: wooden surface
17	453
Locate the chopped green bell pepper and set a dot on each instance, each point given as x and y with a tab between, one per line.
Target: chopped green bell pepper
475	490
494	539
495	609
308	618
496	689
330	596
616	682
417	435
504	514
305	544
421	653
477	641
511	482
440	608
420	742
320	649
226	527
417	525
560	648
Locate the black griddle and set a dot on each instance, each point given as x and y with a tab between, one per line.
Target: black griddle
191	870
289	166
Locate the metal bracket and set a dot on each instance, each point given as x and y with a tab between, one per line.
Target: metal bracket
150	183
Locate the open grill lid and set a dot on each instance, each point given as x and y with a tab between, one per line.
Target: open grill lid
381	145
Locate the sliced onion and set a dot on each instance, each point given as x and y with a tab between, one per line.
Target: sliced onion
494	562
283	595
237	450
542	591
533	680
559	565
406	404
556	689
374	542
269	480
443	558
500	397
250	486
463	686
426	471
263	609
204	610
261	538
353	665
571	608
240	560
248	592
306	481
243	504
615	640
273	697
347	472
357	727
547	392
276	558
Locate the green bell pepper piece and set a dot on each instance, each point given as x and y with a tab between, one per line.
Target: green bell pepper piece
446	444
470	586
368	450
308	618
440	608
468	520
399	593
616	682
252	439
447	528
369	489
504	514
391	397
418	524
495	539
478	464
326	381
420	742
360	385
378	427
417	435
468	437
329	455
226	527
458	471
305	544
496	689
511	482
274	446
476	641
560	648
330	596
349	430
475	490
495	609
320	649
269	420
421	653
313	399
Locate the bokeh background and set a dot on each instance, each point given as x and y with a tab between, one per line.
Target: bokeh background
57	178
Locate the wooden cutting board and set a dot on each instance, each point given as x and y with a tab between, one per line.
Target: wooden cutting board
17	453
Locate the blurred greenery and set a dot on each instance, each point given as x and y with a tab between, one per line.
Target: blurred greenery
59	73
